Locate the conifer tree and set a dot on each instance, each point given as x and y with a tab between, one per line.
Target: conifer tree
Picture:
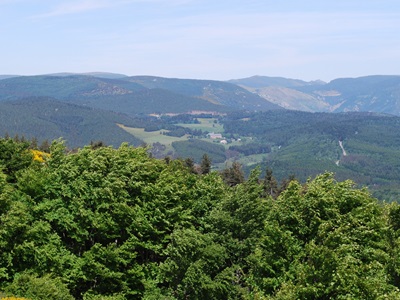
205	164
233	175
270	185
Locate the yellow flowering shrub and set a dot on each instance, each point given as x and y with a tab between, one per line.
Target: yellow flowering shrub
39	156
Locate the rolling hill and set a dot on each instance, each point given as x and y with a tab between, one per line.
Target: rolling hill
218	92
47	119
136	95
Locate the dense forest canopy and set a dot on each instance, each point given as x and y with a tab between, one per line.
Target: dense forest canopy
115	223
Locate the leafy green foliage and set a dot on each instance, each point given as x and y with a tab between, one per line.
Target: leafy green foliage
38	288
331	236
115	223
14	156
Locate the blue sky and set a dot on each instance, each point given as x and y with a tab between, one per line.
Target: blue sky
202	39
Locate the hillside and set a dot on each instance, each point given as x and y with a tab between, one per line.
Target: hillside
291	99
306	144
265	81
369	94
149	101
63	87
48	119
217	92
136	95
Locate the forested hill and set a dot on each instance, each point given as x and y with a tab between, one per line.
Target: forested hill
142	94
45	118
306	144
106	223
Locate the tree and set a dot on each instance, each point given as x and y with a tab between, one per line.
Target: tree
285	183
234	175
205	164
270	185
38	288
14	156
194	268
189	163
326	240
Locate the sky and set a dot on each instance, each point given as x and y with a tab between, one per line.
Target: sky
202	39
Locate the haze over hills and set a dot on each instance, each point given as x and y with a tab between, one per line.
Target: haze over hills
257	93
164	95
265	81
378	93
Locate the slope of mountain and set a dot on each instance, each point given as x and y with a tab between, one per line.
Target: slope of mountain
217	92
265	81
149	101
48	119
370	93
291	99
137	95
63	87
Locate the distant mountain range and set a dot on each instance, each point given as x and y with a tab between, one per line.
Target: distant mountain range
137	94
377	93
85	107
149	94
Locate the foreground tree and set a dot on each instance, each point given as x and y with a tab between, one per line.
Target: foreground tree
325	240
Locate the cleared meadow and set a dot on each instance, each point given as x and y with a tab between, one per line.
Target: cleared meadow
206	124
150	137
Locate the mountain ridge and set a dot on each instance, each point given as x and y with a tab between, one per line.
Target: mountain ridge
373	93
195	94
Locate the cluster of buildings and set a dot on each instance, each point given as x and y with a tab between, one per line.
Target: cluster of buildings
217	136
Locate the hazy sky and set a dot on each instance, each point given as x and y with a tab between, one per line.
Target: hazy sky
203	39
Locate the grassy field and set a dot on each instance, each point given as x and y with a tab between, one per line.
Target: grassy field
153	136
206	124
